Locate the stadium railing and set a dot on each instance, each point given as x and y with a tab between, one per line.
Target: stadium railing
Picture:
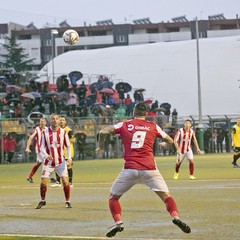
90	126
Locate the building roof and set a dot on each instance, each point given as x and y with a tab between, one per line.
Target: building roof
168	71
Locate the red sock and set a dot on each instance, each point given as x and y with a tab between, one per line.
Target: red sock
191	168
115	209
34	169
177	167
171	206
43	190
66	190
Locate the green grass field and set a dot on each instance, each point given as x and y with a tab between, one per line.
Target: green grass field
210	204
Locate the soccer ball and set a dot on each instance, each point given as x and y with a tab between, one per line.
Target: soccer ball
70	37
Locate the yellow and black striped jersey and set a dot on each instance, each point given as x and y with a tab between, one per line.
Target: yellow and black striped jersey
71	138
236	135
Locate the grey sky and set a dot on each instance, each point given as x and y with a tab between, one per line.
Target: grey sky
76	12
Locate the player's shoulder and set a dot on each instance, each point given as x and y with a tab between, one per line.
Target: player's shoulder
67	129
35	130
152	125
119	125
236	126
47	129
192	130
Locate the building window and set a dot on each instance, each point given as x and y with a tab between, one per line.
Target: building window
47	58
47	42
121	39
24	37
2	36
34	52
202	34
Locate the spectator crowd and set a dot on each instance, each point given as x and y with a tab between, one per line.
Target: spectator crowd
101	99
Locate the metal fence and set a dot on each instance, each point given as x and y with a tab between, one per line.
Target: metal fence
88	128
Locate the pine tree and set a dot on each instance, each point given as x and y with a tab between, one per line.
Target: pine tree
15	57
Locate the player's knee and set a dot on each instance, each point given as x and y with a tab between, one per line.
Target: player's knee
163	195
112	196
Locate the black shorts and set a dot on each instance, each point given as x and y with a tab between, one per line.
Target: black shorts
236	149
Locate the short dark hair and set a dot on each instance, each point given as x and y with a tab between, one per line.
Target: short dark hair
62	116
140	109
188	120
43	118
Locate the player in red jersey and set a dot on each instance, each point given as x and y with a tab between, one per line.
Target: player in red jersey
138	136
54	140
37	134
182	142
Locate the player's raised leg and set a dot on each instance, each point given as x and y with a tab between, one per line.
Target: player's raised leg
116	212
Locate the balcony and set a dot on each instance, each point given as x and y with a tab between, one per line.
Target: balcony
158	37
89	41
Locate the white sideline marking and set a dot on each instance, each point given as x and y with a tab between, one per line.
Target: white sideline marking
138	186
80	237
44	236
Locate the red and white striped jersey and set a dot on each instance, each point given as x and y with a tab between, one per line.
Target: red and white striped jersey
53	143
184	138
37	134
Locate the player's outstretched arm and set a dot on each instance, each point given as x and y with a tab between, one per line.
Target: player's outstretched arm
166	145
169	139
102	134
29	142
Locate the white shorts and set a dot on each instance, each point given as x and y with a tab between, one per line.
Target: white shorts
61	170
127	178
39	158
188	155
